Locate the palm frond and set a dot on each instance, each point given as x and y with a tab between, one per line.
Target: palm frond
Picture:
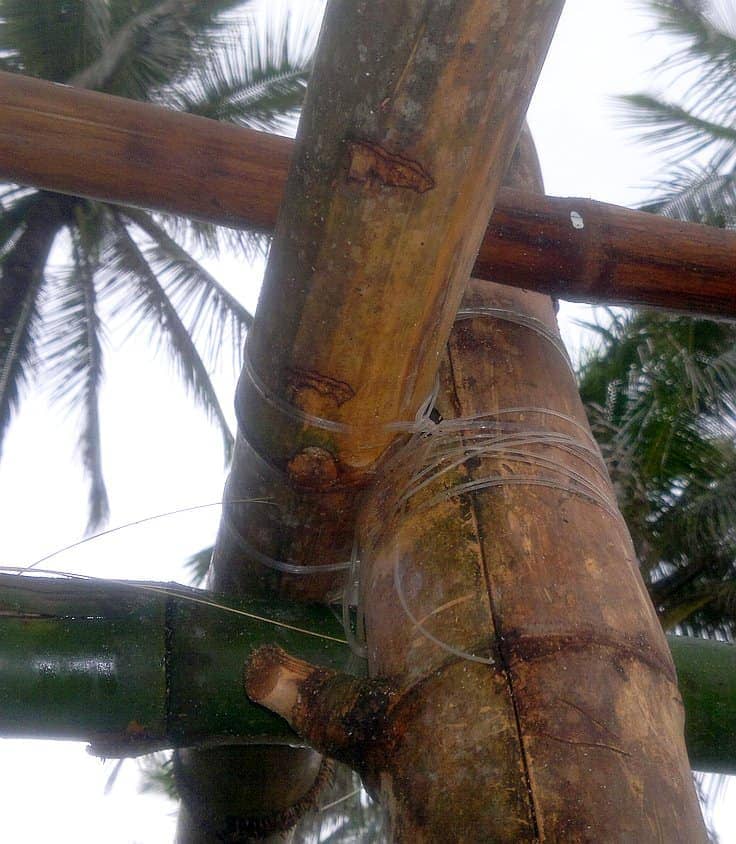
153	45
257	80
198	565
22	266
214	316
51	39
157	775
13	218
675	129
73	355
146	299
707	51
698	194
214	240
697	131
18	335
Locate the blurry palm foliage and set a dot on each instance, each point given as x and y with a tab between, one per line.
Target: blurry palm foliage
661	390
345	814
204	57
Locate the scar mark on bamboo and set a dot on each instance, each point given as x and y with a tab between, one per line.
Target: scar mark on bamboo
371	162
314	468
299	380
574	743
587	715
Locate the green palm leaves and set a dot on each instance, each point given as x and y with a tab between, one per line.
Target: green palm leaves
697	126
194	56
661	390
661	396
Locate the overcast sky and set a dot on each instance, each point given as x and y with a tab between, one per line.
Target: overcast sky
160	454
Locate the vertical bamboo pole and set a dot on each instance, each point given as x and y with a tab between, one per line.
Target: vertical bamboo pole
574	643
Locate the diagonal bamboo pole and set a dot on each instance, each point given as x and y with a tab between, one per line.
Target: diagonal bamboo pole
84	143
411	117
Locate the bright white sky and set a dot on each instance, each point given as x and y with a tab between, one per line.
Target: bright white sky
161	455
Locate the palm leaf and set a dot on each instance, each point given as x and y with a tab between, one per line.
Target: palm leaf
19	324
202	236
258	80
707	51
146	300
214	313
694	193
159	44
198	565
22	267
677	130
74	358
13	219
77	29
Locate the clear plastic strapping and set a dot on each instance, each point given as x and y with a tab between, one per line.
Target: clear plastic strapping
523	446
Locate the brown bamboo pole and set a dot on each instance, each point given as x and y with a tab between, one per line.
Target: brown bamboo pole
85	143
532	696
411	117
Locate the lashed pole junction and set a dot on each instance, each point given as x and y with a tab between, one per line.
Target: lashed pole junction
473	614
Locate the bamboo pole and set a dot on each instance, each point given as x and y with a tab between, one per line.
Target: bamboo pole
91	660
84	143
531	694
411	117
136	667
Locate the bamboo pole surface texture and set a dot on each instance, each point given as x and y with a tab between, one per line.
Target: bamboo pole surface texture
522	687
59	138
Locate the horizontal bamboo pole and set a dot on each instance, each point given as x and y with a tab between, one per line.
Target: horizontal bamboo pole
87	660
141	666
84	143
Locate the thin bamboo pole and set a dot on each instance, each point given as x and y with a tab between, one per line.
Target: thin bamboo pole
135	667
84	143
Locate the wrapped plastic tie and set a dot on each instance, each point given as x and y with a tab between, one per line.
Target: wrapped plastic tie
434	451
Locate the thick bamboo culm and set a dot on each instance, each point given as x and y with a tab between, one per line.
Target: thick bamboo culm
84	143
579	685
91	660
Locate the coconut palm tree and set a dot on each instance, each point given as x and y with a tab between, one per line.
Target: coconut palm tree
661	396
199	56
661	390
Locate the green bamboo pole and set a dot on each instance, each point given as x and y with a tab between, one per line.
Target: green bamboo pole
706	674
136	667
